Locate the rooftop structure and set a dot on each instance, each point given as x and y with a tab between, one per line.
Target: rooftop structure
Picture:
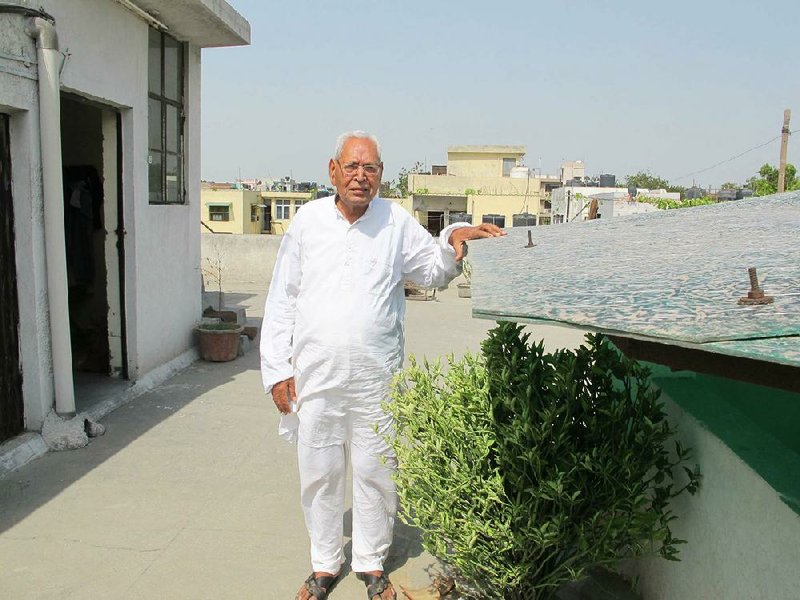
669	276
673	289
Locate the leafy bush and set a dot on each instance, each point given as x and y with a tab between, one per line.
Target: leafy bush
523	469
667	204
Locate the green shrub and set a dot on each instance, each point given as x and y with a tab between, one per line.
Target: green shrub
523	469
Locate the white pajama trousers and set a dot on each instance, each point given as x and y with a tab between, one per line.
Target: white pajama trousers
322	495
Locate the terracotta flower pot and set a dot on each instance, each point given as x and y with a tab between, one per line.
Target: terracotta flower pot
219	342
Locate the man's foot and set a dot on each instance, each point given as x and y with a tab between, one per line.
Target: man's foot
317	586
378	585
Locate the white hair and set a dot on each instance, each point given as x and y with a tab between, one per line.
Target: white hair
349	135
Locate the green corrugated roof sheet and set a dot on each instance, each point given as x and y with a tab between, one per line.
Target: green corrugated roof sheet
672	276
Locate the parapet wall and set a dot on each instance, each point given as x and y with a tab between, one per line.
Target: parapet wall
247	260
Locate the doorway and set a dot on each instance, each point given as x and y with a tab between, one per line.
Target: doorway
266	218
11	406
94	233
435	222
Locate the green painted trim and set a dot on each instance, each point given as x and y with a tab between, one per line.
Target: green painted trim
760	425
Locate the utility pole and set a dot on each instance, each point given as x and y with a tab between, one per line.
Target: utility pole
784	146
569	197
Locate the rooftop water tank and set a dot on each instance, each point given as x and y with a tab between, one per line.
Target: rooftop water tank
523	220
499	220
459	217
607	180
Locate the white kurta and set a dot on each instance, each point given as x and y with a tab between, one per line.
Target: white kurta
334	315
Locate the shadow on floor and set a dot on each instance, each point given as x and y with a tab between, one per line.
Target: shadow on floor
25	490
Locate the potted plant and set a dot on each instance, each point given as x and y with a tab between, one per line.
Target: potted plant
465	287
525	470
218	341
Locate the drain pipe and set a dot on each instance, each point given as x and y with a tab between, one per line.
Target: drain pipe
50	60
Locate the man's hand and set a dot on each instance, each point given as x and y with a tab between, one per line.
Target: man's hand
283	395
462	234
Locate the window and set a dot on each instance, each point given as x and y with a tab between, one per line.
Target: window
282	209
165	119
254	217
508	164
298	204
219	212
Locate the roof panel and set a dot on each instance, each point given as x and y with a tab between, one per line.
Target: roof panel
672	275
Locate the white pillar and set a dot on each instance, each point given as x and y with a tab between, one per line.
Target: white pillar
50	61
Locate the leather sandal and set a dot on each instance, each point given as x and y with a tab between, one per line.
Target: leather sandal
376	585
318	587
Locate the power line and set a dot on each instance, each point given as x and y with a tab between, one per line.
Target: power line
727	160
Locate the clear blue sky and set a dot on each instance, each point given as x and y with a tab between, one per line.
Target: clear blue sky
669	87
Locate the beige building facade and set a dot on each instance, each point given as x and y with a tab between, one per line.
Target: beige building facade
481	184
281	207
230	211
226	210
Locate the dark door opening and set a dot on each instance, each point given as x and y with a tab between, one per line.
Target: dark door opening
11	407
435	222
266	219
94	237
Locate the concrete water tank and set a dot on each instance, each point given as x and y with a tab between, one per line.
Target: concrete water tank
607	180
459	217
523	220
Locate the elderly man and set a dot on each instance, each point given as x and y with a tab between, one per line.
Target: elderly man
331	340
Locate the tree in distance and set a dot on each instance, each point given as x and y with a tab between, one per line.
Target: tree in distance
767	180
645	179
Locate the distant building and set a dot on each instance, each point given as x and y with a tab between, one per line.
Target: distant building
694	192
572	170
230	210
480	184
571	204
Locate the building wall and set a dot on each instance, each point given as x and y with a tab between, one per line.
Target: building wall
107	64
460	184
19	98
495	195
742	536
622	208
572	169
247	260
279	226
507	206
487	163
240	202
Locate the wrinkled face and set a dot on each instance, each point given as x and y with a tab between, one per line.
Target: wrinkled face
356	175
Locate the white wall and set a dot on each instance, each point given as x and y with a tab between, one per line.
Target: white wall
19	99
743	541
107	63
248	260
612	201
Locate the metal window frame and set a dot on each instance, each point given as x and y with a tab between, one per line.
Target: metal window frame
226	212
163	101
279	205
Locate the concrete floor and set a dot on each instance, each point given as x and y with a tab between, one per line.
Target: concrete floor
191	494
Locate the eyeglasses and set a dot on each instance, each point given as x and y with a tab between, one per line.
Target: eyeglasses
370	169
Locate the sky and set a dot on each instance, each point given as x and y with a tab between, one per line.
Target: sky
666	87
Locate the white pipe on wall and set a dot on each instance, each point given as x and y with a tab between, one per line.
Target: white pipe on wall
151	20
50	60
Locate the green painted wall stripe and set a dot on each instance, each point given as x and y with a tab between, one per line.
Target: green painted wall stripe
761	425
